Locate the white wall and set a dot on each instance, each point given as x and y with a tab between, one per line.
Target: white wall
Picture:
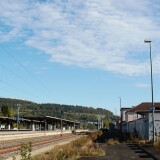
144	126
123	115
123	112
157	125
131	116
2	126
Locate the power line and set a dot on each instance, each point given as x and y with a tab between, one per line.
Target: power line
7	84
15	74
19	89
27	71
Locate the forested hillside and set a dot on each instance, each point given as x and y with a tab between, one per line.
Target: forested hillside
79	113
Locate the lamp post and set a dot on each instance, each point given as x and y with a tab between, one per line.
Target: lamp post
18	105
120	106
74	123
98	123
61	123
120	101
153	109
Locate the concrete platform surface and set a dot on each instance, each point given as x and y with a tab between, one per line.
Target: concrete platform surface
28	134
124	151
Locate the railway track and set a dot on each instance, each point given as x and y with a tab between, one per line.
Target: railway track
12	147
142	153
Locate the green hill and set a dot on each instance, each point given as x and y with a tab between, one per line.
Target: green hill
71	112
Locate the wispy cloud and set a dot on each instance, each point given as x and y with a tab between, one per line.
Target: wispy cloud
106	35
41	70
142	85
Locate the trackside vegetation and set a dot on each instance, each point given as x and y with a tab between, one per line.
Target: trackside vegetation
83	147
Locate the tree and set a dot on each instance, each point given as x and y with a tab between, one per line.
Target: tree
7	110
106	123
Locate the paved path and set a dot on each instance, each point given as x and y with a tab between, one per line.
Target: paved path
124	151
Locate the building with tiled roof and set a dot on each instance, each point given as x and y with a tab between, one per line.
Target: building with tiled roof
123	111
145	107
139	119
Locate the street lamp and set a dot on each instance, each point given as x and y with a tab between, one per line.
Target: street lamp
74	123
98	123
120	106
153	109
18	105
61	123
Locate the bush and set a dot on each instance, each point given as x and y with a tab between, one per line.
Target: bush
94	135
25	151
157	146
112	141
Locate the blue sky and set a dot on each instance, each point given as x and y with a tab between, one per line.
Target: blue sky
79	52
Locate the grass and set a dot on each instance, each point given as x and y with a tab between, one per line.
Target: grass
156	146
132	138
83	147
140	141
112	141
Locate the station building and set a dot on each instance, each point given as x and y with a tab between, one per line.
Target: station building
46	123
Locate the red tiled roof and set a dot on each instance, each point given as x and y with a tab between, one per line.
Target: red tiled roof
145	107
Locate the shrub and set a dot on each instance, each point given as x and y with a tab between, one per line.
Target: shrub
112	141
157	146
25	151
94	135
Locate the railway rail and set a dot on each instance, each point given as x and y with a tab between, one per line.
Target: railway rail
142	153
12	147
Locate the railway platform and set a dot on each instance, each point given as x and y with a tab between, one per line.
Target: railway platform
28	134
124	151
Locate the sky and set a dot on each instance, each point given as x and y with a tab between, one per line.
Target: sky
83	52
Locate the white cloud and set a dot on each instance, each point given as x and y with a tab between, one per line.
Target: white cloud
14	32
142	85
107	34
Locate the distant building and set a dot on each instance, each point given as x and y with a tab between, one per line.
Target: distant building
123	111
123	116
